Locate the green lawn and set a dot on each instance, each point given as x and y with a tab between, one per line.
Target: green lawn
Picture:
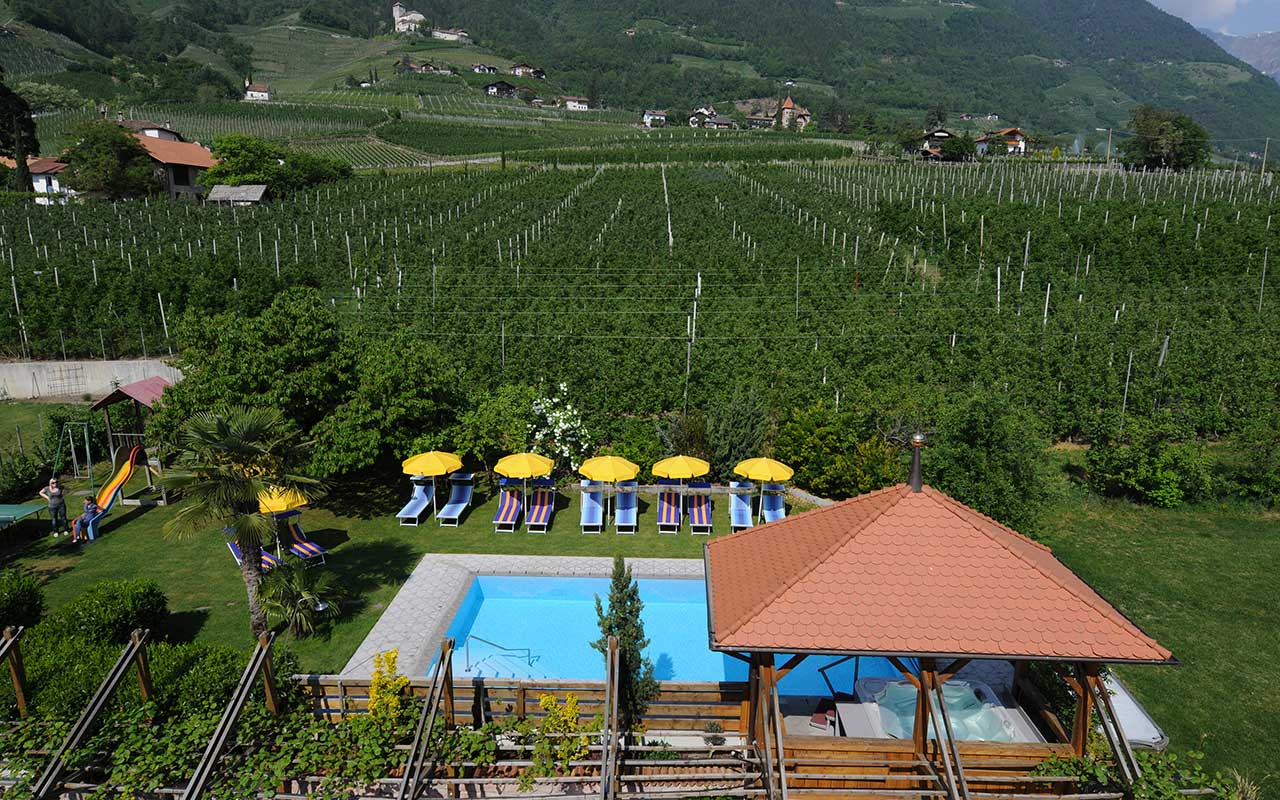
22	415
370	553
1202	581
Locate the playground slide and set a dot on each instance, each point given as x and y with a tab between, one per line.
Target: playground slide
112	490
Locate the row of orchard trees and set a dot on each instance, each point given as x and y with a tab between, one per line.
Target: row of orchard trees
746	291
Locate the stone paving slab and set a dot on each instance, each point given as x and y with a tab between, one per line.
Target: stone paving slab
416	619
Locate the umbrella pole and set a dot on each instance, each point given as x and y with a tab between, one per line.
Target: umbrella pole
435	505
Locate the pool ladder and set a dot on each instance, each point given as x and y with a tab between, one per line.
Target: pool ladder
528	657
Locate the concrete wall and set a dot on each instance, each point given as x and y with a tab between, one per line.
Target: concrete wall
25	380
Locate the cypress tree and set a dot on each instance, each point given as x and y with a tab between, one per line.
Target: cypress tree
21	171
636	684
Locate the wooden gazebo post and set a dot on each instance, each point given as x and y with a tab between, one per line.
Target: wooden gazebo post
762	680
1084	707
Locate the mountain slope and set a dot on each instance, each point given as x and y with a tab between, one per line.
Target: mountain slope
1260	50
1052	65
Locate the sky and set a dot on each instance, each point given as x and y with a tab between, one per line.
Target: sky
1230	16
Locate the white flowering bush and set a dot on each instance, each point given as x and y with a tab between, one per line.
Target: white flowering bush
557	430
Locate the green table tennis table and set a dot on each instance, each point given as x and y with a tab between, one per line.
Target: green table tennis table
10	514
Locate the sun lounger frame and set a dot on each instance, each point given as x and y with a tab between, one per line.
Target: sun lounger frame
459	500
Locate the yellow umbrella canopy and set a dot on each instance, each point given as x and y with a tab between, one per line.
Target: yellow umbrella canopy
681	467
524	465
764	469
277	500
608	469
431	463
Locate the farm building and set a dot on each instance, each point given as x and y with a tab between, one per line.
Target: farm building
765	112
500	89
484	69
451	35
931	142
575	103
44	179
145	127
1013	139
526	71
256	92
654	119
179	164
246	195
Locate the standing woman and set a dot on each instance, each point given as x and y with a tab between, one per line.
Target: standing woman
57	505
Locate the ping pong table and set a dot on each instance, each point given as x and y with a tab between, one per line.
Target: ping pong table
9	514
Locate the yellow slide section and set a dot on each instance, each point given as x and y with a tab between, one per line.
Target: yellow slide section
107	497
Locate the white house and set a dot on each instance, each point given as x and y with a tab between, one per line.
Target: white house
526	71
500	89
44	179
407	21
484	69
1013	139
575	103
451	35
256	92
654	119
146	127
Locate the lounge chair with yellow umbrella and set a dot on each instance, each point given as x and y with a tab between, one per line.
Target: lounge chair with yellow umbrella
601	470
283	504
419	468
521	466
675	470
770	473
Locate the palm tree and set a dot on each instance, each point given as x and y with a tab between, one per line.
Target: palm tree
227	460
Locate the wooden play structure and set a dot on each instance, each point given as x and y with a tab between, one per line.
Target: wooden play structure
126	435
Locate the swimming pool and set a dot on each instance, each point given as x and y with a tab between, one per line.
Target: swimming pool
543	627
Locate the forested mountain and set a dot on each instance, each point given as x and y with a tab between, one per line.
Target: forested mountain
1055	67
1260	50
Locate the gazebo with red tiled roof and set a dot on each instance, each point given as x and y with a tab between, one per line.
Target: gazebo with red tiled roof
909	572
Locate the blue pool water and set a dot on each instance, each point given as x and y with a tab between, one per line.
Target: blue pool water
547	625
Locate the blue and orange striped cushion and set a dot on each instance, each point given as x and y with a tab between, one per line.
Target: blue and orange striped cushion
540	507
668	508
508	508
700	510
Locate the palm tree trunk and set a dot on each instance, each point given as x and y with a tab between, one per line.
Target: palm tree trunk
251	571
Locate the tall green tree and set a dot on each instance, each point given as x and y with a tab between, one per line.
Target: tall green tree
1164	139
21	170
108	161
16	126
637	686
227	460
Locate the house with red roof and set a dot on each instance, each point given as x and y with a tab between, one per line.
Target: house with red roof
1014	141
44	179
179	165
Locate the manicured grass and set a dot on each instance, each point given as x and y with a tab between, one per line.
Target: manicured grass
1201	581
370	554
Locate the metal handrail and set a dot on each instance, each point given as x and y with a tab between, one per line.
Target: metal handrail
418	751
528	654
782	758
943	729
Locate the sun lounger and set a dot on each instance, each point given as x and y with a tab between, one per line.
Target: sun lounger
740	506
700	508
419	504
301	546
269	562
624	507
592	516
508	515
668	507
773	506
459	499
541	506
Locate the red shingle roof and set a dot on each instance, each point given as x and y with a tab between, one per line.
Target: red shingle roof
146	391
168	152
38	166
898	572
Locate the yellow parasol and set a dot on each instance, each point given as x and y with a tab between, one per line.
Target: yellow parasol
608	469
765	470
431	464
524	465
681	467
277	500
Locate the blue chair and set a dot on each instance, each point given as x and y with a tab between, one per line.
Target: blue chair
740	517
301	546
700	508
268	563
419	504
459	499
625	507
507	517
773	505
591	519
542	504
668	506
